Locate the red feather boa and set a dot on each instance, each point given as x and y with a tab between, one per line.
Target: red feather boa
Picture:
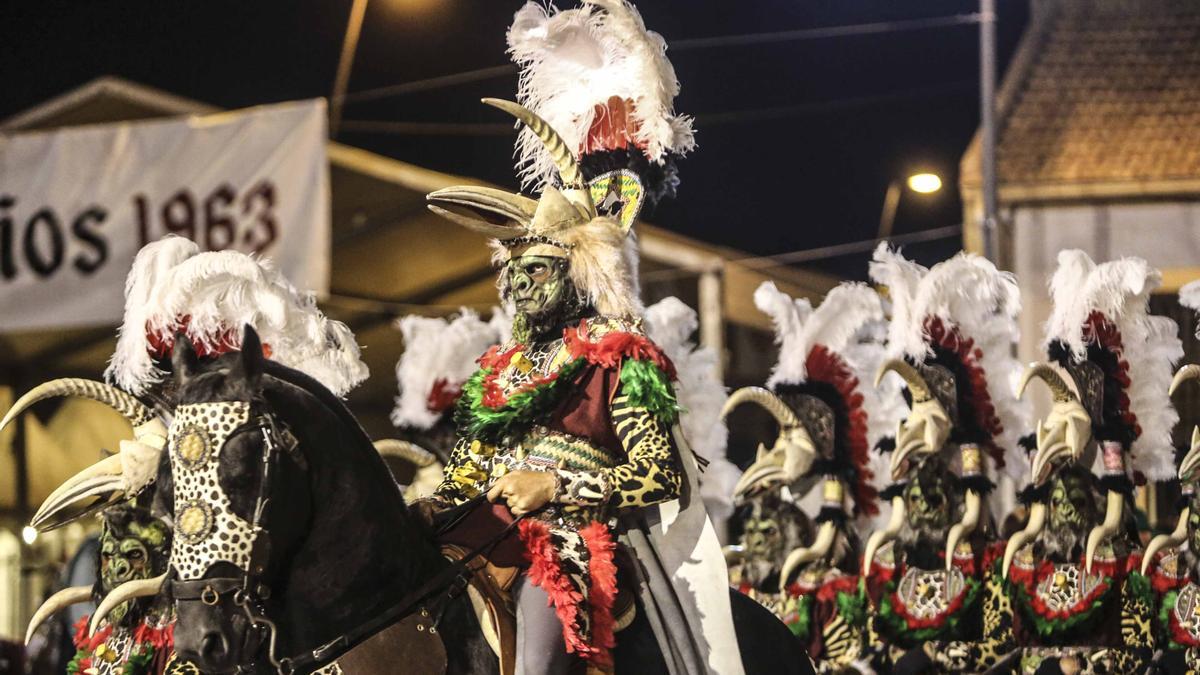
545	571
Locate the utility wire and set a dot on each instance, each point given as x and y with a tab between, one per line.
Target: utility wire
820	33
706	120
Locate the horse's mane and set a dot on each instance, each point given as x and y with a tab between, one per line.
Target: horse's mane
318	391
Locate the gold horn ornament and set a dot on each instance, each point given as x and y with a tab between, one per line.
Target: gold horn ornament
1113	512
564	158
1065	432
112	479
819	549
963	528
429	471
72	595
788	459
1173	539
1037	523
889	533
927	426
130	590
1190	461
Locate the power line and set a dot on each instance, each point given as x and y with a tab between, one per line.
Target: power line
813	254
743	39
825	32
703	120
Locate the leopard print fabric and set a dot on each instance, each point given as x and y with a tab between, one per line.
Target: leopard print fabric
961	656
650	474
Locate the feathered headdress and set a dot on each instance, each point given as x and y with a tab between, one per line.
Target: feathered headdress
1119	356
174	288
818	382
439	356
956	325
670	324
603	81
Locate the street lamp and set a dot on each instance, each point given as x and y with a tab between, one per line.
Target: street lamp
922	183
29	535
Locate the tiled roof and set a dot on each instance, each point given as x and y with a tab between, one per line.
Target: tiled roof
1112	94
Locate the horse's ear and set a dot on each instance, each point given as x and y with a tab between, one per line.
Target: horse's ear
251	359
184	361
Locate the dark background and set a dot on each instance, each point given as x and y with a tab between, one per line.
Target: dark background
797	140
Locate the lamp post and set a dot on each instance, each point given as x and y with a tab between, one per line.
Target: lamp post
345	63
921	183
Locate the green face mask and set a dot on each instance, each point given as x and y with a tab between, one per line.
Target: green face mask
542	294
1069	502
127	553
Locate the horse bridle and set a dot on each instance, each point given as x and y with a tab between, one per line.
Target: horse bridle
249	591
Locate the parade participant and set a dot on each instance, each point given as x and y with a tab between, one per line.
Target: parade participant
950	339
134	636
1172	560
573	419
1073	572
829	419
174	289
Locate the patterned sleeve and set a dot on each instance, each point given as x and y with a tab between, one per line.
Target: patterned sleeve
465	473
651	473
997	642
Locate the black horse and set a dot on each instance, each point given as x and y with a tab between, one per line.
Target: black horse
338	548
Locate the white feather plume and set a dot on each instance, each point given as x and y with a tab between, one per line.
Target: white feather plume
436	349
966	292
799	328
670	324
1189	296
1120	290
574	60
219	293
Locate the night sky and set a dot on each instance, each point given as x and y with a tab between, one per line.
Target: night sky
797	140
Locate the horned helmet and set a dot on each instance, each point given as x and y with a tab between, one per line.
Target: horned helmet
1108	401
950	340
598	140
827	417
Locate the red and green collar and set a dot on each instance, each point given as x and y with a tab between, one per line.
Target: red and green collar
487	411
148	641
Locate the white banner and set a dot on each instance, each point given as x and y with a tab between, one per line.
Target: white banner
76	204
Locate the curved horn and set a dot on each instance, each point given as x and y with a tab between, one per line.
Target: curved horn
818	550
55	603
888	533
409	452
1168	540
1037	522
564	157
1046	373
912	377
765	398
964	527
130	590
1189	372
132	409
1113	512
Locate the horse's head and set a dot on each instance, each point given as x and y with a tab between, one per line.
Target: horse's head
233	482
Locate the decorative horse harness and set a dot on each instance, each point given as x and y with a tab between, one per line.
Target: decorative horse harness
208	532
